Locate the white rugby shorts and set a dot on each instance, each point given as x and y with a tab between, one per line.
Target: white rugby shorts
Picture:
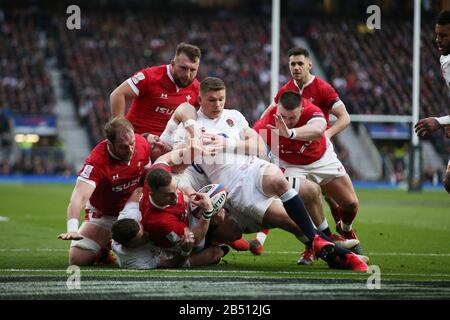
321	171
246	202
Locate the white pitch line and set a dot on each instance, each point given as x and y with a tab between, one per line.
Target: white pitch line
267	252
378	253
184	271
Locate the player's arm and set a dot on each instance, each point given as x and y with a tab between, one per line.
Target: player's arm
185	113
80	195
252	143
427	125
314	129
180	159
342	120
203	201
186	245
118	99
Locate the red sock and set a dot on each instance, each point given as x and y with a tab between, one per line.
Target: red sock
336	212
349	216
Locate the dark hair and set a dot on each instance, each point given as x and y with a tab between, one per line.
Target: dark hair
211	84
298	51
117	127
290	100
124	230
443	18
157	178
191	51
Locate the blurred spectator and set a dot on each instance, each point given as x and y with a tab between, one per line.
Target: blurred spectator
376	66
5	131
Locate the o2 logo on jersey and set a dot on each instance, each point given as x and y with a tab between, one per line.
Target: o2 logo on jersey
87	171
137	77
164	110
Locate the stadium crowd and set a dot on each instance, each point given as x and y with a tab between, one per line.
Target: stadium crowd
101	56
375	78
95	59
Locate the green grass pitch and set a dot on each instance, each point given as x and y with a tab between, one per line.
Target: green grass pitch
407	235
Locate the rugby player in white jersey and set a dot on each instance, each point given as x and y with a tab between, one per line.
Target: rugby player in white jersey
428	125
252	183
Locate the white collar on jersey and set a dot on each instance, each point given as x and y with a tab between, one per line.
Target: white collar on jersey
114	156
201	114
155	205
169	74
305	85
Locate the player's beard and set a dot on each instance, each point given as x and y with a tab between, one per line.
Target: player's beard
182	82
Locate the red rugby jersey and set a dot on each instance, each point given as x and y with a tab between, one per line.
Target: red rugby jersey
157	98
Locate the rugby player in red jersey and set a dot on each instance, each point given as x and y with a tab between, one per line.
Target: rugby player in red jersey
323	95
303	150
110	174
157	91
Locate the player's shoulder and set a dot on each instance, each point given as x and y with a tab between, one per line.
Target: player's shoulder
233	115
322	84
310	108
161	165
99	153
290	85
155	72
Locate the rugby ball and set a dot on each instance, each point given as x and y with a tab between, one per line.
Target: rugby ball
218	196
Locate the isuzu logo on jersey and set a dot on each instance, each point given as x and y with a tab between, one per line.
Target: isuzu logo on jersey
126	185
164	110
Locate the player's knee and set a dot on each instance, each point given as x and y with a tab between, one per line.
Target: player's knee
351	206
309	191
83	252
281	185
81	257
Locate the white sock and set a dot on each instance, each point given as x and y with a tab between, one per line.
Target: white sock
323	225
261	237
346	227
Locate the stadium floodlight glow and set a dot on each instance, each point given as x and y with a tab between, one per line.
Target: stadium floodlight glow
19	138
26	138
32	138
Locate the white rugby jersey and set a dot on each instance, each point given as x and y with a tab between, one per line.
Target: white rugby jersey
230	124
143	257
445	68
